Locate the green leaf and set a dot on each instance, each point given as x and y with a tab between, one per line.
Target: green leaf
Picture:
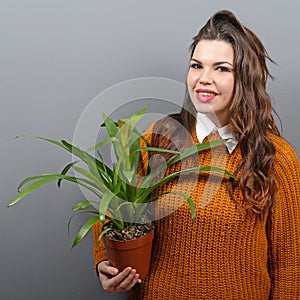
84	204
159	150
106	172
103	232
57	143
135	155
77	213
141	196
191	150
127	211
185	196
83	155
47	178
129	175
132	120
190	203
65	171
77	152
194	149
110	126
139	114
94	181
106	198
84	230
101	144
91	162
117	224
30	189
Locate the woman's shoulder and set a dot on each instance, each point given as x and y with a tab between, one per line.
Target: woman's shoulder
168	132
169	122
165	125
285	153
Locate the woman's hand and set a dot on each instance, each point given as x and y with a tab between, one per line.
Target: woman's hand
112	281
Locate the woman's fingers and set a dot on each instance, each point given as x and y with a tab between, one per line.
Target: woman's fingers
105	268
129	279
113	282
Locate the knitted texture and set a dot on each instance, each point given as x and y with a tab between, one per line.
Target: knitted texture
225	254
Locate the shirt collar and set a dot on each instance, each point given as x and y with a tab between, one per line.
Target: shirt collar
204	127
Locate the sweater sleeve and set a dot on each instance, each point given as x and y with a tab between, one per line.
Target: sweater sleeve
99	249
284	227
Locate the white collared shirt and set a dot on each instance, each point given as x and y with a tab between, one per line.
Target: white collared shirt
204	127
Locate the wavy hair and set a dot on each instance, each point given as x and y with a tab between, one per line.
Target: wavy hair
250	111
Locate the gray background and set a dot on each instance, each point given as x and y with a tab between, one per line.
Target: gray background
55	57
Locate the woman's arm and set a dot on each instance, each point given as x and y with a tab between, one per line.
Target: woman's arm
99	249
284	227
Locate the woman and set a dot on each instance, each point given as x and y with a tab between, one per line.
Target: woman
245	243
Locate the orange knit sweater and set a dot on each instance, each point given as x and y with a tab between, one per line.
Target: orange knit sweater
224	254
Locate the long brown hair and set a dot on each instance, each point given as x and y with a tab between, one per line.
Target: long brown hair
250	111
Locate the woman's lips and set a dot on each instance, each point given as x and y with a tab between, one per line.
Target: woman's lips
204	95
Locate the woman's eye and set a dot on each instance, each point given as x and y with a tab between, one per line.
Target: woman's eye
223	69
196	66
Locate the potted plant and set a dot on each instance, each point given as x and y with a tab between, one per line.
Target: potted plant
121	194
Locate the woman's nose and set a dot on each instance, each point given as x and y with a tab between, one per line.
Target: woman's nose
205	77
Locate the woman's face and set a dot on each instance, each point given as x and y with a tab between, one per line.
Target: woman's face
210	79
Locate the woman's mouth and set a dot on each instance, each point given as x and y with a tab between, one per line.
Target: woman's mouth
205	95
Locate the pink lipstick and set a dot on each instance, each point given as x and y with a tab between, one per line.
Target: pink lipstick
205	95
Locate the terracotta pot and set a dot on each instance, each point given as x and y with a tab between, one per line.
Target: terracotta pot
134	253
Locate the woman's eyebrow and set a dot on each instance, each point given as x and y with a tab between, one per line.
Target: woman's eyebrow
214	64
